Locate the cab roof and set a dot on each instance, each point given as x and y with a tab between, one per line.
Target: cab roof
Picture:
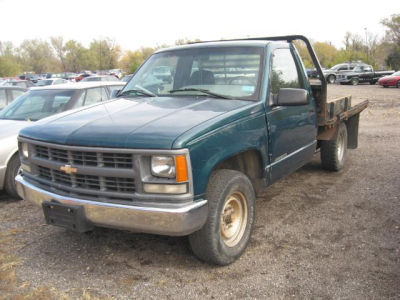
238	43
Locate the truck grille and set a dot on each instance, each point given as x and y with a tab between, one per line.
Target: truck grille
100	175
82	158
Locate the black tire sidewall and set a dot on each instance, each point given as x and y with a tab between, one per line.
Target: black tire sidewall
207	243
232	253
12	171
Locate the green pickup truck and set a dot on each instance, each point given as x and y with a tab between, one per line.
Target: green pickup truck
187	153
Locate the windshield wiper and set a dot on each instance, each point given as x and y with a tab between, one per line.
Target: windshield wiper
137	92
208	92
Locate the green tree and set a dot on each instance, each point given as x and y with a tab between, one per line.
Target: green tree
37	56
59	47
77	57
105	53
9	61
392	39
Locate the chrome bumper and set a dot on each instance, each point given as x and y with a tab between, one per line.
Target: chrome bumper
166	221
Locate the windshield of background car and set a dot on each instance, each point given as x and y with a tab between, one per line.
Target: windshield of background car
36	105
44	82
233	72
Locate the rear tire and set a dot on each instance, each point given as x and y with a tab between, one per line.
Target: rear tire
333	152
398	84
231	212
12	171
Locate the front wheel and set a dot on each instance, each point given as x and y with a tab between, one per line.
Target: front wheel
13	168
354	81
331	79
333	152
231	210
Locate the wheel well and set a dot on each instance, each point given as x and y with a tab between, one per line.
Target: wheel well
250	164
11	157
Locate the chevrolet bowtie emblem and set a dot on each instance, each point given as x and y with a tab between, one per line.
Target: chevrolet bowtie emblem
68	169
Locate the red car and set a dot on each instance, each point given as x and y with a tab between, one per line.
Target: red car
392	80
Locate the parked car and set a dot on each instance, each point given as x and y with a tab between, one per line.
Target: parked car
115	72
126	78
51	81
38	103
188	157
19	83
361	74
100	78
82	76
391	80
8	94
34	78
331	74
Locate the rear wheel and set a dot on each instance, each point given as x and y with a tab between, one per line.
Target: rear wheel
354	81
231	209
333	152
331	78
12	171
398	84
372	82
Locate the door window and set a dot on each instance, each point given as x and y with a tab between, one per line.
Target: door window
95	95
284	71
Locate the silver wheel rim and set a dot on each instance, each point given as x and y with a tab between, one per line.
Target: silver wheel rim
233	219
340	148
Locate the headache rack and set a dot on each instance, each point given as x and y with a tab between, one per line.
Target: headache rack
329	114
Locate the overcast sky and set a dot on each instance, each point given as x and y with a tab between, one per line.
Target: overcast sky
147	23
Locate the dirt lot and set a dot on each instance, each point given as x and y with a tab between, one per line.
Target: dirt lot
318	235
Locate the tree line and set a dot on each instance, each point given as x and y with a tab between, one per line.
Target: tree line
58	55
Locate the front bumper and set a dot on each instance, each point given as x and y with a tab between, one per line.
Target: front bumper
175	221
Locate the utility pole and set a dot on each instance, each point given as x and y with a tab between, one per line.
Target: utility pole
366	43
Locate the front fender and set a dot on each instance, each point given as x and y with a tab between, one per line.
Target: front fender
9	147
211	149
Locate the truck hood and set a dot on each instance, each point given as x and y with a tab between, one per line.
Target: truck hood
152	123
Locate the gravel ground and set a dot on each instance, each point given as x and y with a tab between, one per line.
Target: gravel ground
317	235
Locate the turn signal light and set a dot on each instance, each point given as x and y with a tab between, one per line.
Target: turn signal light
181	168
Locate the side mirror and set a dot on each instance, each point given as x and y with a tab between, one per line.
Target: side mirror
114	94
292	97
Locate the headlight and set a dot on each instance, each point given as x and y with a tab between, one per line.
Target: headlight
25	150
163	166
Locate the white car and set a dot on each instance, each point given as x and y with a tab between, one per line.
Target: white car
51	81
36	104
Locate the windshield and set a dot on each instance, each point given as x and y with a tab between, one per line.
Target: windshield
396	74
91	79
233	72
36	105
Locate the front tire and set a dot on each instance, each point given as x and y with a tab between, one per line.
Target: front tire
331	79
12	170
333	152
354	81
231	212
